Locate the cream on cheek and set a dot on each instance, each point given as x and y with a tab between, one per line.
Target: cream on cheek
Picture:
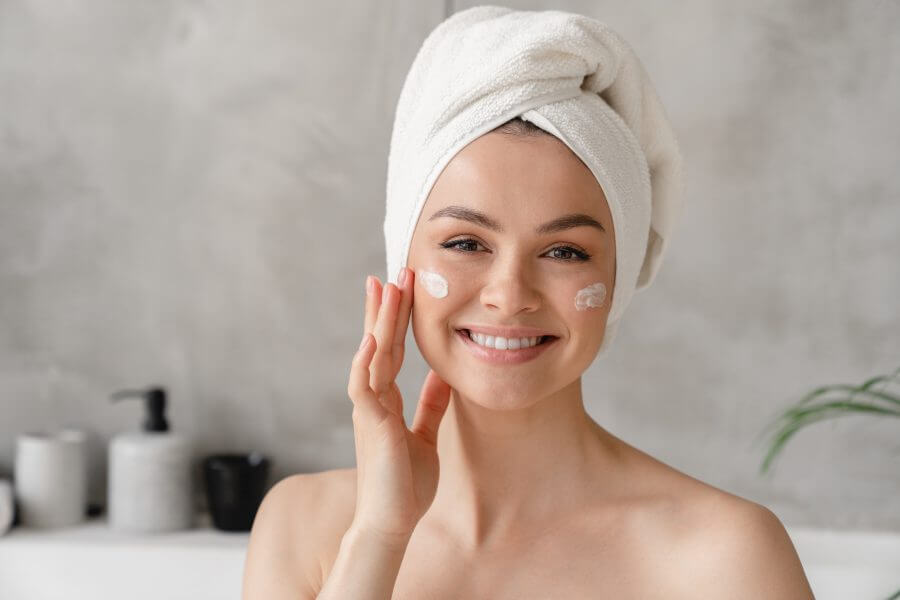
434	283
591	296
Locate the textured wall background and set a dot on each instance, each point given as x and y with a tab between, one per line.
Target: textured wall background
191	193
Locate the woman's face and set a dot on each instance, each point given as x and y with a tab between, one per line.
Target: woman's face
480	230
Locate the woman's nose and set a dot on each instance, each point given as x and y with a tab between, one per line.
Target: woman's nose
509	290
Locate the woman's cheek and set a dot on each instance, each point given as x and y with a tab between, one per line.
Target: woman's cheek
587	303
446	281
435	299
432	301
591	296
433	282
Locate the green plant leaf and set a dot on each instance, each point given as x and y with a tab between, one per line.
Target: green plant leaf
822	390
805	412
788	415
814	407
800	417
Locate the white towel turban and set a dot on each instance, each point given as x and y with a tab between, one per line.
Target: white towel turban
572	76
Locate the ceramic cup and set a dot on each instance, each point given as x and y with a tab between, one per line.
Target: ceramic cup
7	506
235	486
51	476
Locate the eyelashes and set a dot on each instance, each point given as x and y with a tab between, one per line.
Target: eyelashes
575	255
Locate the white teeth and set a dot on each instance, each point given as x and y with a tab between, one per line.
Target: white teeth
502	343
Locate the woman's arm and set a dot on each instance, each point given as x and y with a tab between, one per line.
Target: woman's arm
366	567
291	538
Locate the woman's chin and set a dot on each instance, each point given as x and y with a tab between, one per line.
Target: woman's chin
512	397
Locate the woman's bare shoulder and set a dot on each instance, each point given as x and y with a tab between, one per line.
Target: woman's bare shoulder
741	549
331	485
297	533
322	505
723	545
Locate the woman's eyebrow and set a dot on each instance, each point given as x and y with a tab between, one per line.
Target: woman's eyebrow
479	218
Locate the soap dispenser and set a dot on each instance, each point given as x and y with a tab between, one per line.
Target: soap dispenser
150	472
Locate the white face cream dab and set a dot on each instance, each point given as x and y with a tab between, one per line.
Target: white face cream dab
590	297
433	283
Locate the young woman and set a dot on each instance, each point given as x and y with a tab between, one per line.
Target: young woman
503	486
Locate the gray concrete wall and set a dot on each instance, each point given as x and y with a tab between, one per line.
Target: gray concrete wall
191	193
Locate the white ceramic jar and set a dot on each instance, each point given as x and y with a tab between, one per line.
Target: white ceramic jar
51	477
6	505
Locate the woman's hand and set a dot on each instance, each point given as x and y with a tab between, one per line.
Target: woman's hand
397	467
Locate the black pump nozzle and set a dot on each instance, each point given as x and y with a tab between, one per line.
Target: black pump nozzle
155	403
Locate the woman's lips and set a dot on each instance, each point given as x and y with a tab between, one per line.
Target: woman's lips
504	357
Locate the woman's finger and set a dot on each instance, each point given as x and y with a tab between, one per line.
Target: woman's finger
381	368
373	301
406	300
433	404
393	401
364	398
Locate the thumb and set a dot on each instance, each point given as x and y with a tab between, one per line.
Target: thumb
433	404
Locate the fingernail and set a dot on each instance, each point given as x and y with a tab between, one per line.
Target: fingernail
401	278
384	292
369	285
365	339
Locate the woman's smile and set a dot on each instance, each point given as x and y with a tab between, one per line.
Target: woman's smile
500	350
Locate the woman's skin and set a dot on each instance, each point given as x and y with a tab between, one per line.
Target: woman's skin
503	486
512	430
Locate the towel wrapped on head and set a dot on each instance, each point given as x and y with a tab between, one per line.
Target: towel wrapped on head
570	75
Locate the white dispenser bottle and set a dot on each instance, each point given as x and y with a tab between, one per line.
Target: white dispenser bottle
150	472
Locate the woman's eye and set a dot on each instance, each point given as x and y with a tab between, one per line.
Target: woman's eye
562	253
567	253
461	245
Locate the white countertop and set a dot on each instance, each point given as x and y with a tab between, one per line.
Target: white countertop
92	561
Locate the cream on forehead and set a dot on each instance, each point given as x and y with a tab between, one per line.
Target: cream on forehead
433	283
590	297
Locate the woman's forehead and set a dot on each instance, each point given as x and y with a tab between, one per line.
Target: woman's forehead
510	178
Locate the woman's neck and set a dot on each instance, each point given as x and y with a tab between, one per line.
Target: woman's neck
505	474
